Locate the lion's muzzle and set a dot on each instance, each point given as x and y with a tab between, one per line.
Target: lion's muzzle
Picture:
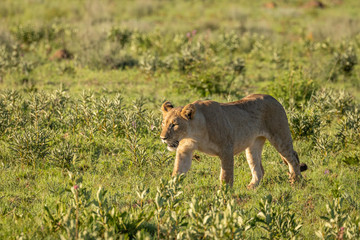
171	145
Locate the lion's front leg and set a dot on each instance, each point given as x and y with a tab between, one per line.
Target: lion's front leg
183	160
227	168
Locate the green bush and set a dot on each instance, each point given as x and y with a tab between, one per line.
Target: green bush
213	82
122	36
32	146
277	221
86	217
304	123
338	223
346	60
292	88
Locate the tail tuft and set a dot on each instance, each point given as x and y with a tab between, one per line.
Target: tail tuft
303	167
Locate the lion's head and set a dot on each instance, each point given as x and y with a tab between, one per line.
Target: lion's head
175	123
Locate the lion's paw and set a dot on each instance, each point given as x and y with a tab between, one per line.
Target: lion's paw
252	186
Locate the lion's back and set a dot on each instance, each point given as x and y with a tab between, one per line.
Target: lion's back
253	114
269	112
259	107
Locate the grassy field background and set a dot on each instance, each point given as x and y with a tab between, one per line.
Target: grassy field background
81	85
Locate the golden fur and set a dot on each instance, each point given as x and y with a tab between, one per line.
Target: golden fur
226	129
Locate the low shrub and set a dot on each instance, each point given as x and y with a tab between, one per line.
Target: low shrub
338	223
277	221
292	89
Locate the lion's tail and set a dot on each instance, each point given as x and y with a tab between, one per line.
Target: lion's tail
303	167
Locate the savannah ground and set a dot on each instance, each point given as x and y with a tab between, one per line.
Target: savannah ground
81	84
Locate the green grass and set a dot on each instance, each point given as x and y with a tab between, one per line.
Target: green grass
96	115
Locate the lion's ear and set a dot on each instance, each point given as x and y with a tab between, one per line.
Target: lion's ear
188	112
167	106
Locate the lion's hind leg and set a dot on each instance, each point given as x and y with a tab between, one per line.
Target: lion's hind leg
288	155
253	156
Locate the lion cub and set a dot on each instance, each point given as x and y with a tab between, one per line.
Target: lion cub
226	129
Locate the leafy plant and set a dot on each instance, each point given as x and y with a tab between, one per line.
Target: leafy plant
122	36
348	130
209	83
331	102
238	66
305	123
277	221
134	126
32	146
149	63
346	60
64	155
167	207
217	219
292	88
84	217
338	224
191	56
28	34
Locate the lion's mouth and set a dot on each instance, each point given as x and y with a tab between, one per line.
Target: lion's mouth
172	146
